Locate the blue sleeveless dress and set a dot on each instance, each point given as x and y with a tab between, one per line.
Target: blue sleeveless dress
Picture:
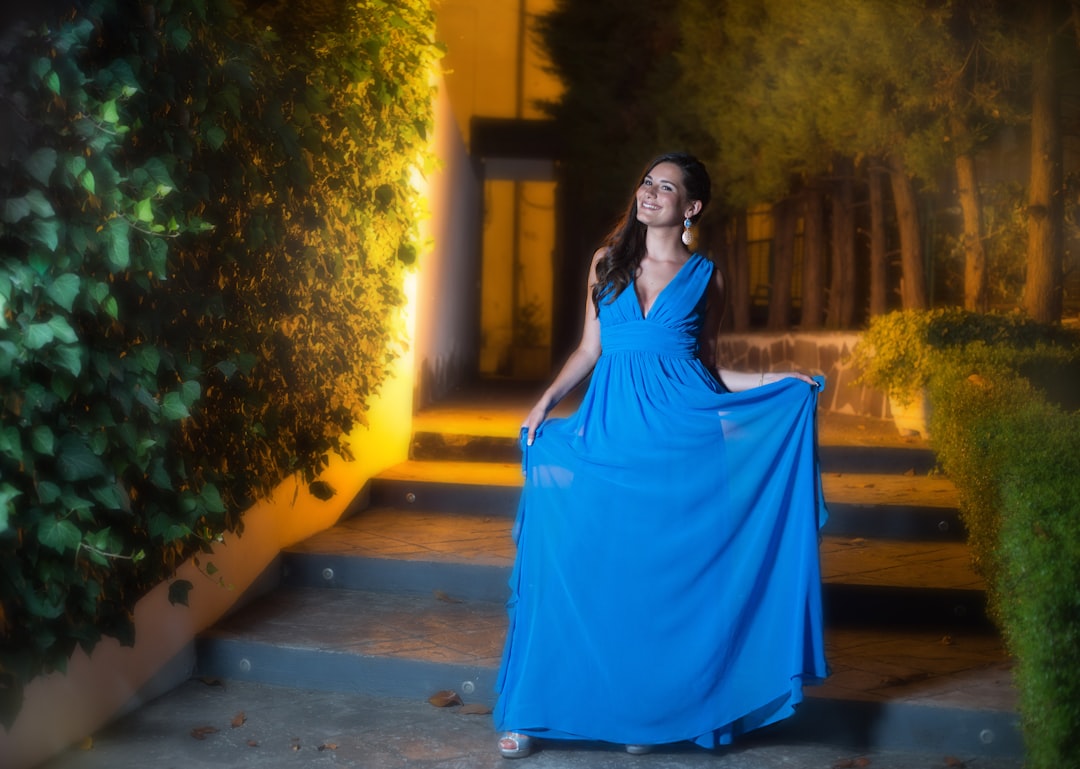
667	582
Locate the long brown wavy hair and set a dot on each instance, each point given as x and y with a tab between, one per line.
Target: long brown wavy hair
625	244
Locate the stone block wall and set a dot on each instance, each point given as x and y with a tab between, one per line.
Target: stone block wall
822	352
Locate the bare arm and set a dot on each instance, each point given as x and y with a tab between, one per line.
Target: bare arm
735	381
577	366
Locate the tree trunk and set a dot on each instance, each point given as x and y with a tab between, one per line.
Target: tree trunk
785	221
841	311
738	273
1043	284
813	277
879	256
976	280
913	283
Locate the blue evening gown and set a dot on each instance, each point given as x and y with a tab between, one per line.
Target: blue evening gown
667	582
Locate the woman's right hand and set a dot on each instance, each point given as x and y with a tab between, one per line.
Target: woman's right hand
533	421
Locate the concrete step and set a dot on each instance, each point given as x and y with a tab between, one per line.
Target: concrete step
415	551
879	505
889	688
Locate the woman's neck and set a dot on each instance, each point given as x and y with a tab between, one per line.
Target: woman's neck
664	244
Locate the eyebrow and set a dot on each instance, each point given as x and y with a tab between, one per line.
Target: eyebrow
663	181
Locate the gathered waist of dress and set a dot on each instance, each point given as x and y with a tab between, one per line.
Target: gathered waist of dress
642	336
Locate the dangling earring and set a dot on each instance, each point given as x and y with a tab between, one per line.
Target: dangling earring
687	236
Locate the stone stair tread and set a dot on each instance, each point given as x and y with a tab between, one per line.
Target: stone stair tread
434	627
449	538
884	665
850	488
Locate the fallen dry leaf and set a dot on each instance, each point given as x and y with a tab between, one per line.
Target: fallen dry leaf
238	720
947	640
445	699
253	743
87	744
954	762
328	746
444	596
475	709
201	732
852	763
212	681
910	473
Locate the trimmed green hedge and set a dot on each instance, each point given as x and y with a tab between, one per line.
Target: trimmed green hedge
205	221
1015	458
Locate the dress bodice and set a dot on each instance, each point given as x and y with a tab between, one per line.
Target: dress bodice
674	321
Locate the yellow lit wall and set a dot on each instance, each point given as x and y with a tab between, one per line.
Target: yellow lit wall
486	76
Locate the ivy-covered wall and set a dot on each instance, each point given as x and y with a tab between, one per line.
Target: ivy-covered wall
206	214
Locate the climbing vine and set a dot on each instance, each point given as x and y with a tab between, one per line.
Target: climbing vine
206	212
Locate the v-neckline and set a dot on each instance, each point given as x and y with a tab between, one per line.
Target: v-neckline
637	299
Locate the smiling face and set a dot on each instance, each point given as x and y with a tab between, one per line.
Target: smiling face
661	197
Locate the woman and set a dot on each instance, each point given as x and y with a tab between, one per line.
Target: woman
667	585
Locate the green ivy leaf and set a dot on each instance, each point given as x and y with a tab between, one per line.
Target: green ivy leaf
42	440
15	209
155	169
7	509
111	497
11	443
39	204
143	211
108	112
64	289
190	391
76	504
178	592
46	232
173	408
148	358
117	252
41	164
48	492
158	257
321	490
215	137
86	179
37	336
62	330
211	498
76	462
59	534
52	80
69	358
